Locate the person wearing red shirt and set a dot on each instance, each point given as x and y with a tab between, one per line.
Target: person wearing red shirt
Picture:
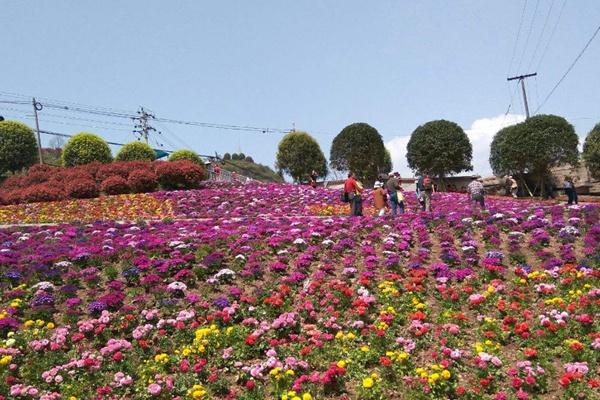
353	189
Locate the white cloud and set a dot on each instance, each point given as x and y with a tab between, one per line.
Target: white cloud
480	133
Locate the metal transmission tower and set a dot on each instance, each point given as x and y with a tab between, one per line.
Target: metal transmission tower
142	126
521	79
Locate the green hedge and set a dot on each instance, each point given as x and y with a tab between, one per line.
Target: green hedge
136	151
188	155
18	146
84	148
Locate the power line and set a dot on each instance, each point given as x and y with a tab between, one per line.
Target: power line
562	8
512	58
569	69
539	41
537	3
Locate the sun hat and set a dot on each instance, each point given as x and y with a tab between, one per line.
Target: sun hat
378	184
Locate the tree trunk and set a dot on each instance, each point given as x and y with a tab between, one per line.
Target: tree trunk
525	185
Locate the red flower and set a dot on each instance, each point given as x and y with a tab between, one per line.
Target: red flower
118	356
385	361
529	352
516	382
250	340
250	384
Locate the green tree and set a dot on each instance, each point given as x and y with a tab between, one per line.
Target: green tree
18	146
136	151
358	148
591	151
227	156
83	148
298	154
186	155
534	147
439	148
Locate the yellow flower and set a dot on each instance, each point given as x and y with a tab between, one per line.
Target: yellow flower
28	324
350	336
72	398
364	349
5	360
289	372
368	383
306	396
40	323
446	374
341	364
50	325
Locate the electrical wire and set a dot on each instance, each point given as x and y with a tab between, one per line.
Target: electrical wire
539	41
537	3
512	58
562	8
569	69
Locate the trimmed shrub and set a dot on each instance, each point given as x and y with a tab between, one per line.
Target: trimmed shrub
141	181
15	196
120	168
18	146
136	151
42	193
40	173
188	155
114	185
85	148
82	188
174	175
14	182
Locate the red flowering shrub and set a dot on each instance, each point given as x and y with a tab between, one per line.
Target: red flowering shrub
14	182
82	188
141	181
41	193
14	196
179	174
40	173
114	185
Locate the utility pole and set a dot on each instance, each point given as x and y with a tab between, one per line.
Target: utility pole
38	107
143	127
521	79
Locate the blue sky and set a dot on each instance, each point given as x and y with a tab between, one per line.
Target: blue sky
320	65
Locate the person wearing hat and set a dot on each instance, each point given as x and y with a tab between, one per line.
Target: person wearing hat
379	199
393	189
476	192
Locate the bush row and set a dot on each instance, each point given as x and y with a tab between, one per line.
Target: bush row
49	183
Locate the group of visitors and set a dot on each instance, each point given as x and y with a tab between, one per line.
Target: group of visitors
570	191
386	195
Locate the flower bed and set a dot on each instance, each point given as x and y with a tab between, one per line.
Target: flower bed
44	183
453	304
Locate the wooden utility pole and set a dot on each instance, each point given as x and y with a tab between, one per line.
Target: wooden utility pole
38	107
521	79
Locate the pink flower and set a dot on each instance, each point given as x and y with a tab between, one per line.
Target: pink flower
154	389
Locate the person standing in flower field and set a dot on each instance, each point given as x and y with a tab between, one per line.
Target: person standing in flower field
379	199
425	188
514	187
393	187
313	179
352	191
476	192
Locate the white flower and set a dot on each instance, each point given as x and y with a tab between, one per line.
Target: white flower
44	286
177	286
299	241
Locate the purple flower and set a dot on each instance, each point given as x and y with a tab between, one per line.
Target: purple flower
221	302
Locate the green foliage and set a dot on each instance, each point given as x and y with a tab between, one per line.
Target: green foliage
298	154
255	171
439	148
591	151
188	155
18	146
136	151
534	146
227	156
84	148
358	148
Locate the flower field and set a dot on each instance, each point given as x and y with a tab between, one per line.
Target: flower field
255	292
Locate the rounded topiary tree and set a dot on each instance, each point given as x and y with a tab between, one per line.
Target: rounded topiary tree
591	152
358	148
136	151
439	148
18	146
84	148
189	155
299	154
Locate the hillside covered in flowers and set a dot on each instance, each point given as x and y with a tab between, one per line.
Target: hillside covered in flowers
268	292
